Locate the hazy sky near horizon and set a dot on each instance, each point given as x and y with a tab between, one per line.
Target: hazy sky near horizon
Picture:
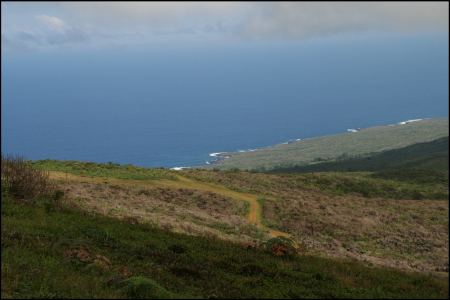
63	26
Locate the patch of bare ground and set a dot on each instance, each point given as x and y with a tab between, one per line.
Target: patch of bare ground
181	210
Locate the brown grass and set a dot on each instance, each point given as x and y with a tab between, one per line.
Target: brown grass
405	234
185	210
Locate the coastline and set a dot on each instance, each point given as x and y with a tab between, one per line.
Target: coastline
218	157
221	156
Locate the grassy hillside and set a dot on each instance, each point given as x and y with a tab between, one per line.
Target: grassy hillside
345	145
351	214
401	185
103	170
250	207
50	252
202	233
155	196
426	156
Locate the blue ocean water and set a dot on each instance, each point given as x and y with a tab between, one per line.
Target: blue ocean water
172	107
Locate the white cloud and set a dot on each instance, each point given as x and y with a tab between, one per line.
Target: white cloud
45	31
311	19
154	13
52	23
147	22
266	19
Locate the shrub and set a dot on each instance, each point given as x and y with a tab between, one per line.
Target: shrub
177	249
144	288
419	176
186	271
58	195
250	269
22	181
281	246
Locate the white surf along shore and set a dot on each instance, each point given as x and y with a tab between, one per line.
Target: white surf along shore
218	156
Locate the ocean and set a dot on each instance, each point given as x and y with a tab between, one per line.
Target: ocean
172	107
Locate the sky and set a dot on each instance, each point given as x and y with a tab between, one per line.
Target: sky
89	26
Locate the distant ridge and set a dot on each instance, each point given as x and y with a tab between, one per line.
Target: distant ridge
426	156
357	142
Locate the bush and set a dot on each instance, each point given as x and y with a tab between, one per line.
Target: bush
20	180
179	249
419	176
144	288
281	246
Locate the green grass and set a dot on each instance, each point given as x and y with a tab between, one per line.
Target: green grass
425	156
417	176
104	170
265	221
390	184
400	184
36	263
375	185
330	148
419	171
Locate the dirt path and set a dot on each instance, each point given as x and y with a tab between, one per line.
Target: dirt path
255	211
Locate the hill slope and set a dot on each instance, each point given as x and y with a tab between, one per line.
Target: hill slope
328	148
125	231
427	156
238	206
51	252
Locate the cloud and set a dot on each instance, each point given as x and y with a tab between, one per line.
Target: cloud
132	23
28	37
312	19
271	19
56	31
53	23
47	31
155	13
15	45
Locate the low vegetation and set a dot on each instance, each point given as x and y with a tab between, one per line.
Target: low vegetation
112	170
389	185
68	253
352	214
22	181
96	235
383	184
179	209
415	176
432	156
329	148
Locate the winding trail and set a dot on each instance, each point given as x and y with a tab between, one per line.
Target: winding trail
254	215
